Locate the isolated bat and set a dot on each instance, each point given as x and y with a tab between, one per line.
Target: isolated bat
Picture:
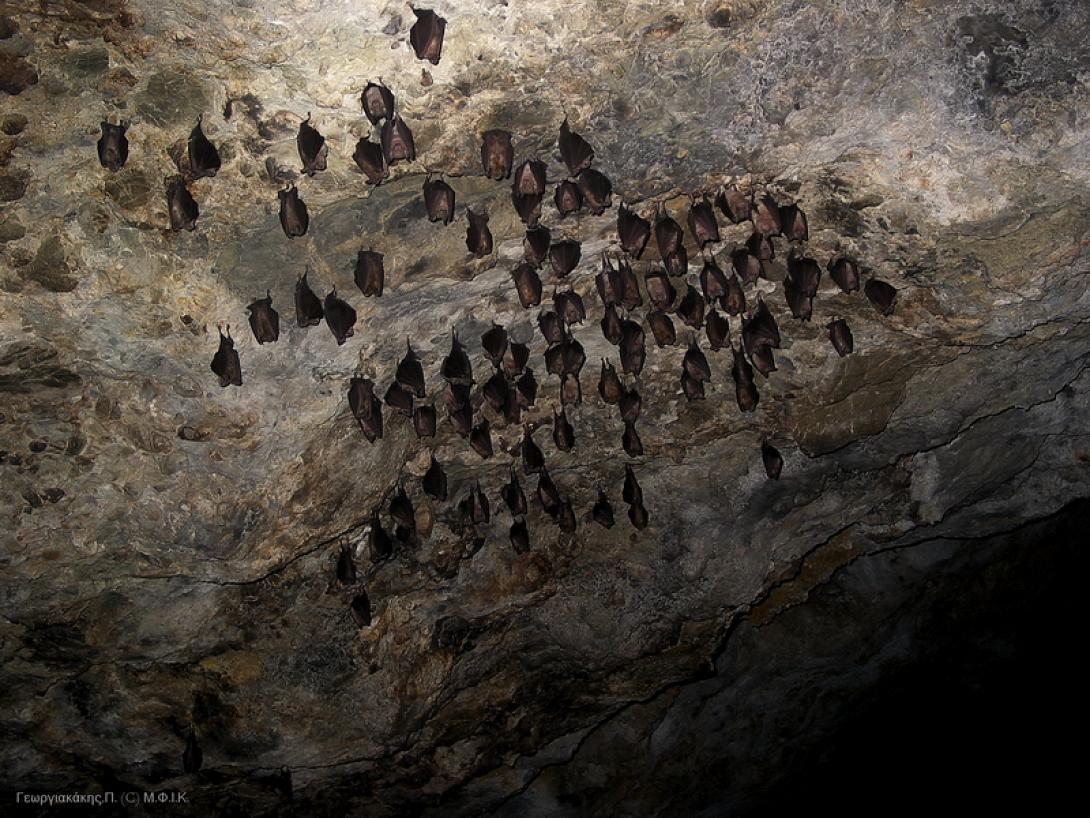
397	141
760	247
717	328
495	391
369	158
882	295
401	509
702	223
527	284
745	390
631	492
378	540
841	336
346	566
691	387
497	154
766	216
845	272
793	223
426	35
611	325
630	405
181	205
113	146
293	213
637	514
801	304
308	309
602	513
734	204
535	245
532	459
366	408
633	230
691	309
399	398
339	317
609	384
574	150
632	349
439	200
529	178
662	328
564	256
370	273
713	282
360	608
378	102
763	360
434	481
478	236
527	389
569	306
520	537
597	191
695	362
513	495
456	367
264	320
410	373
565	517
313	150
746	265
761	329
494	342
571	390
480	439
192	756
547	493
551	327
515	359
568	198
807	274
225	363
772	459
204	159
609	283
563	432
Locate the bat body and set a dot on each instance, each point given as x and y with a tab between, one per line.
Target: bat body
882	295
181	205
564	256
571	390
659	289
772	459
602	513
366	407
456	367
761	329
264	320
527	389
765	215
633	231
529	178
294	218
192	756
513	495
370	273
346	567
547	493
801	304
426	35
760	246
629	286
668	235
494	342
565	517
113	146
734	204
734	300
480	439
496	390
401	509
746	265
551	326
793	223
497	154
713	283
745	390
397	141
630	405
225	363
439	201
369	158
692	388
717	329
515	359
631	493
313	150
696	363
575	151
611	325
632	349
806	273
399	398
841	336
569	306
568	198
360	608
339	317
609	384
702	223
630	441
204	159
520	537
378	541
378	102
527	284
692	307
763	360
528	207
536	244
637	515
609	283
410	373
597	191
533	461
563	432
662	328
478	236
845	273
434	481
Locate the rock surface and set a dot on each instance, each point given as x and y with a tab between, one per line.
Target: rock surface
169	546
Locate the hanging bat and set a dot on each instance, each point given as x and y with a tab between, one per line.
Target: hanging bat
527	389
597	191
529	178
204	159
563	432
668	235
633	230
181	205
691	309
513	495
494	342
346	566
497	154
702	223
401	509
631	493
293	213
637	514
572	357
456	367
609	384
461	418
630	405
773	460
713	282
339	317
569	306
378	541
439	201
609	283
695	362
554	357
882	295
480	439
662	328
564	256
535	245
565	517
410	374
495	391
841	336
602	513
434	482
659	289
568	198
360	608
760	247
611	325
399	398
528	207
313	150
745	390
793	223
366	408
512	408
571	390
632	349
192	756
574	150
547	493
801	304
533	460
807	274
478	236
377	101
520	537
765	216
264	320
113	146
746	265
630	286
845	272
370	273
763	360
527	284
734	300
761	329
426	35
225	363
515	359
692	388
397	141
717	328
734	204
369	158
552	329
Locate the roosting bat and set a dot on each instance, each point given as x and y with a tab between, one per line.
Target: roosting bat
597	191
633	230
399	398
734	301
552	328
434	482
702	223
611	325
308	309
225	363
456	367
293	213
410	373
528	285
497	154
766	216
494	342
369	158
569	306
793	223
480	439
564	256
204	159
532	459
691	309
378	102
181	205
528	207
397	141
746	265
513	495
602	513
370	273
609	384
478	236
717	328
745	391
264	320
535	245
574	150
695	362
662	328
515	359
845	272
339	317
346	566
772	460
360	608
366	407
568	198
439	200
426	35
113	146
529	178
520	537
841	336
563	432
659	289
630	405
713	283
378	540
632	347
547	493
882	295
734	204
692	388
313	150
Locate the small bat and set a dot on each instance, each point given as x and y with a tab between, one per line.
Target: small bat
801	304
225	363
495	391
702	223
401	509
434	482
192	756
691	309
494	342
554	357
569	306
611	325
564	256
691	387
807	274
695	362
535	245
527	284
264	320
339	317
565	517
360	608
366	408
410	374
181	205
439	201
113	146
397	141
574	150
461	418
845	273
533	460
677	263
630	405
346	566
293	213
631	493
480	439
378	102
563	432
426	35
552	328
478	236
369	158
734	204
668	235
424	420
572	357
630	286
632	349
513	495
662	328
633	230
568	198
761	329
527	389
765	216
602	513
717	328
760	246
763	360
547	493
746	265
529	178
204	159
515	359
458	396
378	541
308	309
609	283
659	289
882	295
597	191
512	408
793	223
497	154
734	300
745	390
713	282
637	515
370	273
773	460
520	537
313	150
609	384
571	390
399	398
456	367
841	336
528	207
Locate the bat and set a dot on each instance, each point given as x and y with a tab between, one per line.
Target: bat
609	384
339	317
410	374
691	309
113	146
360	608
264	320
609	283
497	154
630	405
630	286
378	541
571	391
528	207
568	198
662	328
529	178
632	349
807	274
631	493
761	329
717	329
397	140
564	256
695	362
845	273
461	418
204	159
763	360
611	325
569	306
456	367
746	265
563	433
765	215
702	223
633	230
225	363
515	359
668	235
882	295
399	398
512	408
346	566
713	282
801	304
602	513
366	408
659	289
401	509
377	101
293	213
533	461
734	204
313	150
841	336
192	756
495	391
370	273
773	460
734	300
369	158
494	342
480	439
793	223
527	389
527	284
520	537
439	201
308	309
535	245
745	391
575	151
597	191
513	495
478	236
426	35
760	246
547	493
572	357
691	387
552	328
181	205
637	514
565	517
434	482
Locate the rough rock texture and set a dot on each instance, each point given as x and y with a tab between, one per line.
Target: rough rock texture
168	545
